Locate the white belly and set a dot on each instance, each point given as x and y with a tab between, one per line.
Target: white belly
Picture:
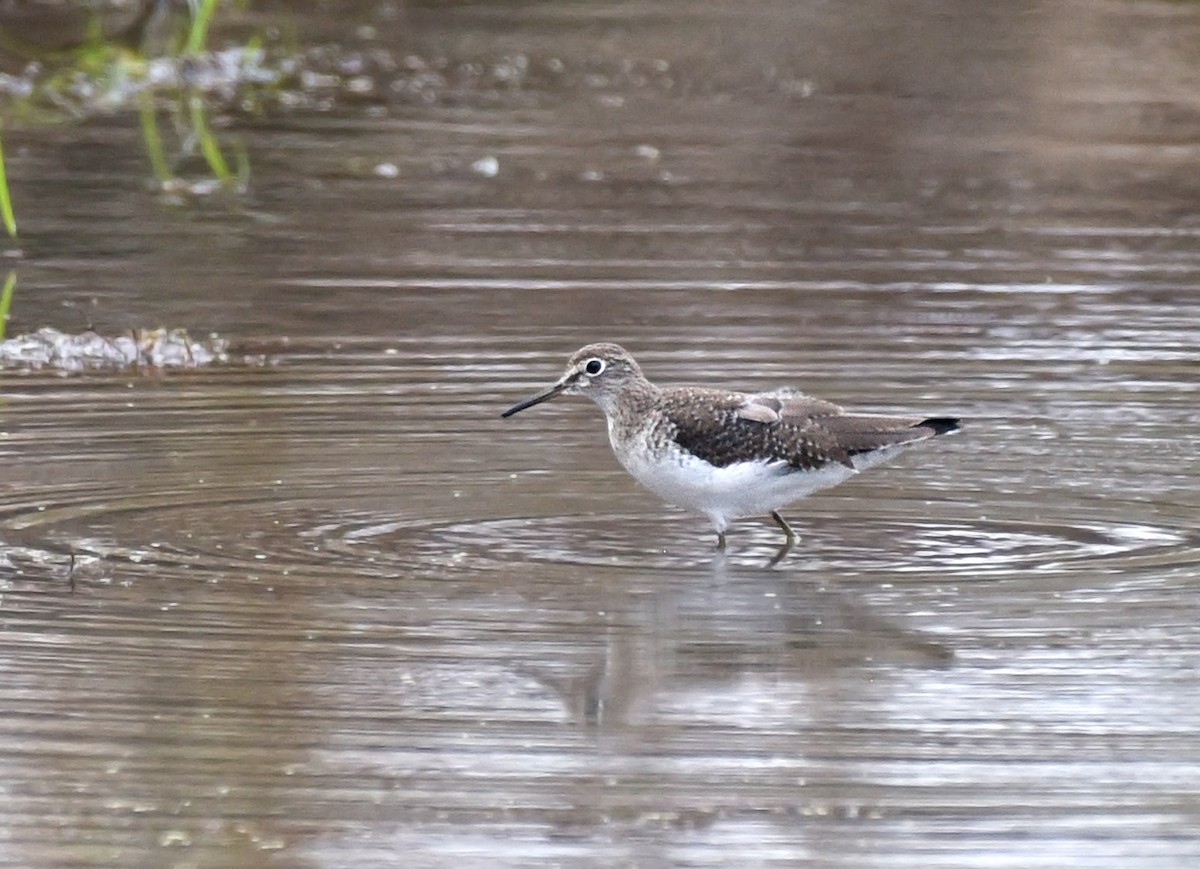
722	494
734	491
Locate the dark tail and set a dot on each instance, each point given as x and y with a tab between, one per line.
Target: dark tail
940	424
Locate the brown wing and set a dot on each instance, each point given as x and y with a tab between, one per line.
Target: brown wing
800	432
864	433
723	428
858	433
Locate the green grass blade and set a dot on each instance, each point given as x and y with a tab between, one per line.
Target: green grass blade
6	296
198	34
154	146
6	209
208	142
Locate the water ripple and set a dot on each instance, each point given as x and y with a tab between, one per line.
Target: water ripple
291	529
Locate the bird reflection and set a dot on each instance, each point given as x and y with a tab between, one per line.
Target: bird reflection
692	641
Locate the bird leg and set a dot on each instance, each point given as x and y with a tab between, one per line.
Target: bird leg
787	529
720	541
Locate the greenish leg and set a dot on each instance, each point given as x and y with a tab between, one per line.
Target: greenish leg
787	529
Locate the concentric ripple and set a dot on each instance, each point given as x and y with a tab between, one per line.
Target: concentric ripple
222	530
962	548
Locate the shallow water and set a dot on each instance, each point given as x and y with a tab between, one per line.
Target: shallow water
330	610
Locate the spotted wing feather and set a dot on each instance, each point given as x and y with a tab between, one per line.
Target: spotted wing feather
798	431
724	428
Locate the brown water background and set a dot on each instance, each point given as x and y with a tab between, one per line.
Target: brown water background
331	611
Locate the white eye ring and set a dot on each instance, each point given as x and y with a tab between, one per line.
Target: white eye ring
593	367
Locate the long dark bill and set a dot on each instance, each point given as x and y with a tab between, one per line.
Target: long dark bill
544	395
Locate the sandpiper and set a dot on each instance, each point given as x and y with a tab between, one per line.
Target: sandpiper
730	454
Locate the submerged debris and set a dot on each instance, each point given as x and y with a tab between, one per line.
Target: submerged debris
89	351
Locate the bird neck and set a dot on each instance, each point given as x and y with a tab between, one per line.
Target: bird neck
631	403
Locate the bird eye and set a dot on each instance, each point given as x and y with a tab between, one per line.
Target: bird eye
594	366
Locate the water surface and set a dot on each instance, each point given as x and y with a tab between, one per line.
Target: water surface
330	610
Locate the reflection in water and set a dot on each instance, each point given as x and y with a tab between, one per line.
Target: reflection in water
329	610
753	637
